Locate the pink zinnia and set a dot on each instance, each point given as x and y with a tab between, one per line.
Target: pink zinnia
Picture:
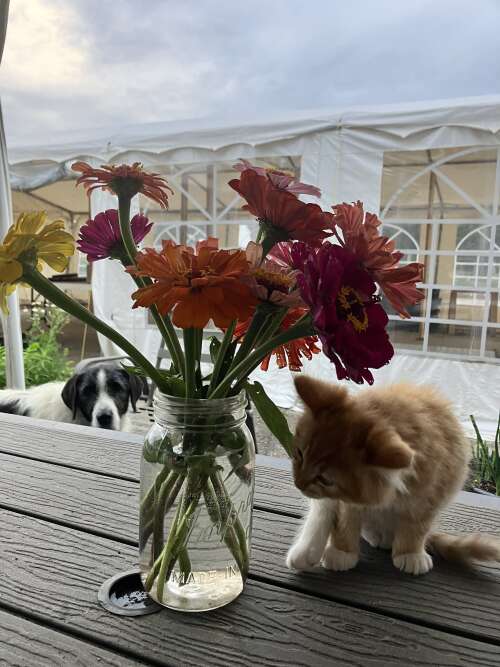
280	179
101	238
377	254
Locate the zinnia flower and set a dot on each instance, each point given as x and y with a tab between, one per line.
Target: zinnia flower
290	354
269	281
208	284
124	181
280	179
281	215
101	237
361	236
31	240
344	309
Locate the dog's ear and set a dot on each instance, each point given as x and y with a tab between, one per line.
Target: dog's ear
136	387
69	394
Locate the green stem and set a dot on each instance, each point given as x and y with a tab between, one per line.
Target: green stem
190	361
231	519
248	364
256	325
125	228
226	342
59	298
225	531
164	325
166	498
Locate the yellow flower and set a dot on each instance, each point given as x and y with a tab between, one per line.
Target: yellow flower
32	241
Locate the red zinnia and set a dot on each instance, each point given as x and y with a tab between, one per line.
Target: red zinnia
281	215
377	254
290	354
344	309
280	179
101	238
124	181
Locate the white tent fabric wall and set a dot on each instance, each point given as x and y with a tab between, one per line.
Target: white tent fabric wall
342	152
111	295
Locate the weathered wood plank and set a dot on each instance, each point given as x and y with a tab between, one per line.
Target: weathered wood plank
28	644
86	500
450	596
118	454
96	503
54	572
108	452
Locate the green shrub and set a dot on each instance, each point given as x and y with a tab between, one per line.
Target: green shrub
44	358
486	461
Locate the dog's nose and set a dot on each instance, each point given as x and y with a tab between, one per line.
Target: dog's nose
105	419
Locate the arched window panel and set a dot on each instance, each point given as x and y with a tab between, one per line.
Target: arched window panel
441	206
202	193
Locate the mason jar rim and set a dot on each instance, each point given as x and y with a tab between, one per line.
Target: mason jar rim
180	401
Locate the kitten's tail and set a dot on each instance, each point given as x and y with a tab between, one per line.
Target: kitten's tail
465	548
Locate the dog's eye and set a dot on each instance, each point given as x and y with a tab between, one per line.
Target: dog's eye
114	387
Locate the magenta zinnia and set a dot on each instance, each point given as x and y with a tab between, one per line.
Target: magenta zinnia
101	238
344	310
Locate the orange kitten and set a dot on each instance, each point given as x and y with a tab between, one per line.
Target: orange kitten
382	465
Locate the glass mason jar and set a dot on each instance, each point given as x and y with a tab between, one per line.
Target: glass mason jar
197	483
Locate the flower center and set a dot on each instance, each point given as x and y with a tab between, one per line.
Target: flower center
353	308
273	281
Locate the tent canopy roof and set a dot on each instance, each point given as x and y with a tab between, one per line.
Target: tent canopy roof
482	113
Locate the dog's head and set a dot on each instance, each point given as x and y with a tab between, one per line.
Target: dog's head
102	393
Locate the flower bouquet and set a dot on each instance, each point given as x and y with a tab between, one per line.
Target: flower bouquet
311	281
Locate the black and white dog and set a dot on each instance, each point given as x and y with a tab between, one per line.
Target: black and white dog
98	395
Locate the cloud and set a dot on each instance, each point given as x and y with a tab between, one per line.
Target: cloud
99	63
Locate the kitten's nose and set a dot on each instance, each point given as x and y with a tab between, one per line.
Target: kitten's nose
105	419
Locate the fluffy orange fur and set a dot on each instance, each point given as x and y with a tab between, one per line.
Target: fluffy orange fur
381	464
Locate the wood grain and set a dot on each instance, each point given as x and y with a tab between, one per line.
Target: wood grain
109	507
27	644
53	572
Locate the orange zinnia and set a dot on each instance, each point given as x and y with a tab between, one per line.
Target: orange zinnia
124	180
198	287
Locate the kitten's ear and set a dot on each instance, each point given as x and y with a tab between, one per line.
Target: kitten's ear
318	395
385	449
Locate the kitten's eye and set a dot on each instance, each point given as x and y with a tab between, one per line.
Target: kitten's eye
299	456
324	480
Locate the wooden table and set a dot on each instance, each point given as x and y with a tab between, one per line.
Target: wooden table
68	503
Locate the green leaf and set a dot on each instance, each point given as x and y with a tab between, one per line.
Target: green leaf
272	416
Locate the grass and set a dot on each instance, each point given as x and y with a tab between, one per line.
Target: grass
486	461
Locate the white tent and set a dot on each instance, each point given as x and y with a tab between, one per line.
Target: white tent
431	170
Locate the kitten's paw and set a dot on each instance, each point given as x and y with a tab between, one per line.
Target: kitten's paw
340	561
303	557
420	563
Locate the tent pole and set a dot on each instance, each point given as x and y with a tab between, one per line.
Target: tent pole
11	324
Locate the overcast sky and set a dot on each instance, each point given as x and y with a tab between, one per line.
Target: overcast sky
75	64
